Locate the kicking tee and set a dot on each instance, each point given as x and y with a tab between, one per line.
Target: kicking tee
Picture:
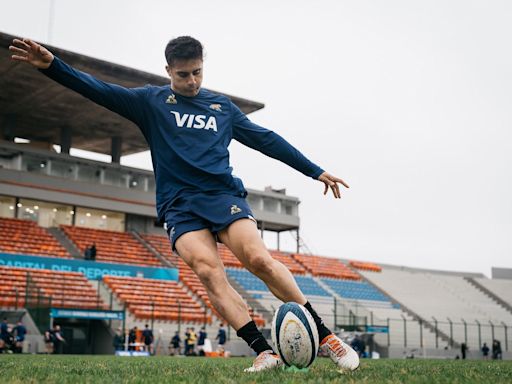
188	136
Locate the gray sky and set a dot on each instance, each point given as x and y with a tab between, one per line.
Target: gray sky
407	101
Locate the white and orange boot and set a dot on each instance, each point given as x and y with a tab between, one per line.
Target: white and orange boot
340	353
264	361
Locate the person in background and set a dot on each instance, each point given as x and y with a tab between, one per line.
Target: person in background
221	336
118	341
132	339
485	351
496	350
4	334
463	350
48	341
20	330
58	340
148	338
200	340
174	346
93	252
191	342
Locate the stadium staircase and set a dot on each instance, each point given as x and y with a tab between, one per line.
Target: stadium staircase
165	261
444	337
66	243
498	300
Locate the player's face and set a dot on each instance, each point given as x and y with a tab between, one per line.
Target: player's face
186	76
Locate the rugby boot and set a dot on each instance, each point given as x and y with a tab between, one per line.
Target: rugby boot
340	353
264	361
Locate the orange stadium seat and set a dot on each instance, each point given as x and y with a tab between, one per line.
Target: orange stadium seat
365	266
26	237
63	289
326	266
160	299
112	246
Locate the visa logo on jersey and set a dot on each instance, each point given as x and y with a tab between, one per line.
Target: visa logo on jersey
195	121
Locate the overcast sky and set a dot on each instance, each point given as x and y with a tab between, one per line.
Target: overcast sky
408	101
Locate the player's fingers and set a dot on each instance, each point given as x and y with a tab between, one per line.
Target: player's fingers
326	188
21	43
337	191
19	58
32	44
338	180
12	48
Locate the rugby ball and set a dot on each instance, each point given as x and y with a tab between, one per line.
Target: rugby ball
295	335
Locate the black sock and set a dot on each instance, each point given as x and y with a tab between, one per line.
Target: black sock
323	331
253	337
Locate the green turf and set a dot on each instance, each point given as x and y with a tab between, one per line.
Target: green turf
102	369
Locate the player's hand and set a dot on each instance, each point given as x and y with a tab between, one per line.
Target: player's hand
331	182
30	52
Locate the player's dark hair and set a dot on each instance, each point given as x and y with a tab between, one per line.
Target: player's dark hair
183	48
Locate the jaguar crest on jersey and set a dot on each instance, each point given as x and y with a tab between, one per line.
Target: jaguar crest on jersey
216	107
171	99
235	209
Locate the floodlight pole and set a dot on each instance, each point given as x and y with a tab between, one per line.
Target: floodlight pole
405	331
389	337
479	334
465	332
451	332
437	332
421	333
506	335
152	312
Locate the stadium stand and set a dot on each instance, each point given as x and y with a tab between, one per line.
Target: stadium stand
64	289
158	299
500	287
326	266
446	299
26	237
112	246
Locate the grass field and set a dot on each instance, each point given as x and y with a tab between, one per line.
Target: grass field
110	369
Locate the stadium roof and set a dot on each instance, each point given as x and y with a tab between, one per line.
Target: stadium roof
36	108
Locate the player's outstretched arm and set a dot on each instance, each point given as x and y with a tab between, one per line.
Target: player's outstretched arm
331	182
127	102
30	52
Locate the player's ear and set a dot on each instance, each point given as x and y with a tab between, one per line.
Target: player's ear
168	70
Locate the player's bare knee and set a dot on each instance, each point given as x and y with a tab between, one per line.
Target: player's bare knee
260	263
213	278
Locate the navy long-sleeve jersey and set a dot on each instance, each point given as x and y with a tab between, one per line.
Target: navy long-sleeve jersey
188	136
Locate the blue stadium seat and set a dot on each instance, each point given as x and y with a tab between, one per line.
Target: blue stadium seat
357	290
249	282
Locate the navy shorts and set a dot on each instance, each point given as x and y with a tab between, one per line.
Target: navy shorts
203	211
